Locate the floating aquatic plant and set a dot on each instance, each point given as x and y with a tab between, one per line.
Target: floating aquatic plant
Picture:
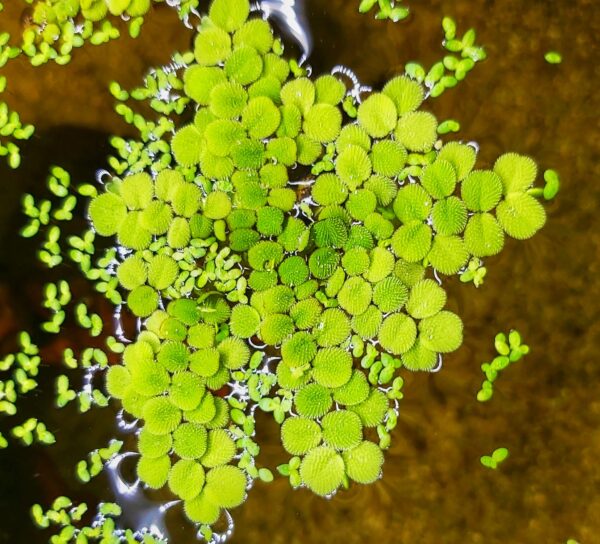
280	249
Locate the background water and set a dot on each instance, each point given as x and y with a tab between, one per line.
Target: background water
546	408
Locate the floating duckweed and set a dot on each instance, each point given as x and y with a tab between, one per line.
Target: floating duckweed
205	361
283	150
215	167
149	378
201	335
291	122
132	234
448	254
299	349
241	219
162	271
323	122
293	271
205	412
289	379
520	215
449	215
388	158
364	462
417	131
361	203
460	156
217	205
268	86
382	264
356	261
199	82
220	449
306	313
295	235
142	301
245	321
330	232
166	183
244	65
234	353
390	294
342	429
221	418
329	89
313	401
332	367
323	262
190	441
409	273
275	328
333	328
397	333
227	100
230	15
107	212
248	154
322	470
383	188
353	166
186	145
406	94
261	117
257	33
411	242
265	255
156	217
309	150
355	391
299	92
419	357
412	203
186	479
372	410
220	137
426	298
154	472
117	381
151	445
186	391
260	280
481	190
483	235
355	295
300	435
377	115
359	237
227	485
353	134
137	191
212	46
202	509
269	221
381	228
161	416
132	272
441	332
517	172
439	179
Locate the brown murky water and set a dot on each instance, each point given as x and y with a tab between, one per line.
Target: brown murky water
546	409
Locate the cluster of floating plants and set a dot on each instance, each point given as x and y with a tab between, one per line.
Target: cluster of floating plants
280	241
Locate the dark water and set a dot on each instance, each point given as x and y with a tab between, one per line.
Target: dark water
546	409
